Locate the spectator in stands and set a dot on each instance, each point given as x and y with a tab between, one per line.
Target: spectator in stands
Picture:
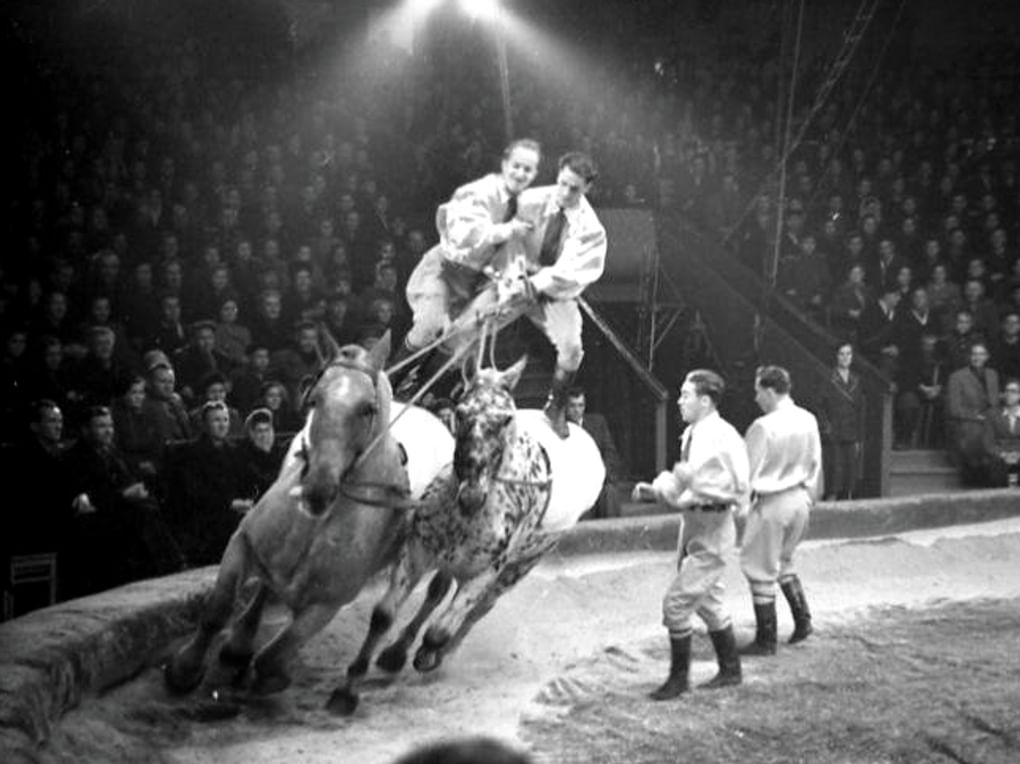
339	321
920	402
119	534
276	399
1006	358
849	302
42	526
199	359
944	296
213	388
971	392
300	361
49	376
878	331
961	339
163	405
207	489
841	423
138	436
804	279
232	337
986	316
170	335
608	502
261	456
268	327
100	378
1002	437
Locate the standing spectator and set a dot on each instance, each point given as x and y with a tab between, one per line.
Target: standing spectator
842	426
785	453
710	479
877	332
608	502
971	392
849	301
919	399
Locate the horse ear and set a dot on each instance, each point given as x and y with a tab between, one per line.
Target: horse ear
332	348
380	352
510	377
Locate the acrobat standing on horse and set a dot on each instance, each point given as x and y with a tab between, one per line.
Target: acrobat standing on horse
557	250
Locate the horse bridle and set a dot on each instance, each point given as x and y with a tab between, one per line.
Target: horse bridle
376	492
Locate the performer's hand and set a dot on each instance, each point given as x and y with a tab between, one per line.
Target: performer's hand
517	228
643	492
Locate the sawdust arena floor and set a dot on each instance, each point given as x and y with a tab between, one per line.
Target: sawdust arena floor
916	658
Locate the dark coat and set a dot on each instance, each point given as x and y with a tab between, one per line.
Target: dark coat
841	413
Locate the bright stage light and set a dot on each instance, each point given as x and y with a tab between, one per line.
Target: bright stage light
423	7
480	9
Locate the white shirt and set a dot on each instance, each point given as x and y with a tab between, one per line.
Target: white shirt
716	471
785	450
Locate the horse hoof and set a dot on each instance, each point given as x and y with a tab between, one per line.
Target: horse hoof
270	684
233	658
392	659
343	702
427	660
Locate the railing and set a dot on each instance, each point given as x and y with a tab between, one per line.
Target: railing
748	329
654	387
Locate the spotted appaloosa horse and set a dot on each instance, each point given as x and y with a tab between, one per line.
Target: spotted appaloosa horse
514	487
333	518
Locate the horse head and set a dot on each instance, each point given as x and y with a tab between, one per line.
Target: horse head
348	408
485	427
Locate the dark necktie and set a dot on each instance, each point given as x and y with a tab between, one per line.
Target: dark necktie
685	452
511	209
551	242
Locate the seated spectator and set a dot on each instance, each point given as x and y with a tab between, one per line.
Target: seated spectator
1002	437
971	392
878	331
608	502
920	408
804	278
206	495
849	301
42	525
300	361
164	406
15	373
118	528
841	424
960	340
213	388
303	302
275	398
49	375
170	334
986	315
138	435
261	456
268	327
99	377
199	359
1006	358
141	307
247	381
340	322
232	337
944	296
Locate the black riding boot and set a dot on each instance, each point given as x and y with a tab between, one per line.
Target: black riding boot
794	594
556	405
679	666
765	637
725	645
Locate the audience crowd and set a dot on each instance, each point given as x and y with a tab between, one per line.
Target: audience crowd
190	210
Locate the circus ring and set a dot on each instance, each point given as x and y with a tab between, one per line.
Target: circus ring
915	659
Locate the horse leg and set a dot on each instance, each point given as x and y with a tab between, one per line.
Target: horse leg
272	661
239	647
186	668
449	631
405	576
394	657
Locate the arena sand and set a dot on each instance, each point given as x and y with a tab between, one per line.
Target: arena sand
916	658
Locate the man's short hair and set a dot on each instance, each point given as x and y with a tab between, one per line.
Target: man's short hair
522	143
774	378
580	163
576	391
708	383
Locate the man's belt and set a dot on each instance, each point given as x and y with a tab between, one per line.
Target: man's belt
718	507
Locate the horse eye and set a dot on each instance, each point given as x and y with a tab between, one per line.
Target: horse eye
368	410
